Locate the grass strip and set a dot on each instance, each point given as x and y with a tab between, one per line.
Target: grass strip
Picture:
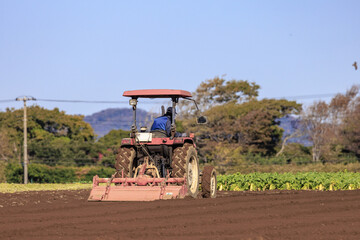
14	187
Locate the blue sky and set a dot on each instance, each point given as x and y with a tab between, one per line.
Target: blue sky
94	50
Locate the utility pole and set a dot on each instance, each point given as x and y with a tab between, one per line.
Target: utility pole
24	99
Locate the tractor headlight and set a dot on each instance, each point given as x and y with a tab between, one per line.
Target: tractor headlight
133	102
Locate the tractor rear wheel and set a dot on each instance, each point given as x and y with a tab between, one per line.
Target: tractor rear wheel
124	161
185	163
208	182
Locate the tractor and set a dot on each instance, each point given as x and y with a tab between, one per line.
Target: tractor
152	165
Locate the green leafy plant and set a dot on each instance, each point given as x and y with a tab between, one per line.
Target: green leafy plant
290	181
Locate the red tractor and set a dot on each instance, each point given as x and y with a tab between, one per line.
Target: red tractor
151	165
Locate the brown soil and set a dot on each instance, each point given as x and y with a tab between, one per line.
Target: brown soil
233	215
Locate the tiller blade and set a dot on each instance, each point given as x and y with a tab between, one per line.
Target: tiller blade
141	188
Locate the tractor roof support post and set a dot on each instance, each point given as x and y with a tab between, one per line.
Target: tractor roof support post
173	126
134	127
173	110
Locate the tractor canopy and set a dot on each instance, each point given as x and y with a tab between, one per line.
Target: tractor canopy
157	93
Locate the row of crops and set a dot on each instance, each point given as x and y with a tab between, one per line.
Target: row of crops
289	181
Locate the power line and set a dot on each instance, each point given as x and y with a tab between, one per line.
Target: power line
88	101
157	102
78	101
309	96
8	100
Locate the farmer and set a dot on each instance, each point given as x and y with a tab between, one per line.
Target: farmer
163	123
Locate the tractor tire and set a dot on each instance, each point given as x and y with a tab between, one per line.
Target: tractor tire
208	182
185	163
124	161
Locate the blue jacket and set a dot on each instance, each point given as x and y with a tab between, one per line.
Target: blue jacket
162	123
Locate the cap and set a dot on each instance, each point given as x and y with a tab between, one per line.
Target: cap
169	111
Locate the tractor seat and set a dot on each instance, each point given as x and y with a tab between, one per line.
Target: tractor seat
158	134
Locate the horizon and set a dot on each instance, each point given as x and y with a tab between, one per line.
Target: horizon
95	50
147	105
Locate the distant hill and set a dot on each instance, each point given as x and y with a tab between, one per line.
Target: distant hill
116	118
121	118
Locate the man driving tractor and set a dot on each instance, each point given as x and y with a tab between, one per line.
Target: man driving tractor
163	123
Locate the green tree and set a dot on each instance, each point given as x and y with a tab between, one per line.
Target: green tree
333	127
351	132
6	151
113	138
238	123
109	144
251	125
218	91
52	135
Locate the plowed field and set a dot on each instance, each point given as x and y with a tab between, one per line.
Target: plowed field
233	215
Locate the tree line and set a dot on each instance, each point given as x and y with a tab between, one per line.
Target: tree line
244	129
334	127
241	128
55	138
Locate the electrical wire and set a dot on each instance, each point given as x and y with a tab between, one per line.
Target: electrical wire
8	100
308	96
78	101
157	102
88	101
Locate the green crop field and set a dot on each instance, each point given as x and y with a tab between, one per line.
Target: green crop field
290	181
12	187
235	182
